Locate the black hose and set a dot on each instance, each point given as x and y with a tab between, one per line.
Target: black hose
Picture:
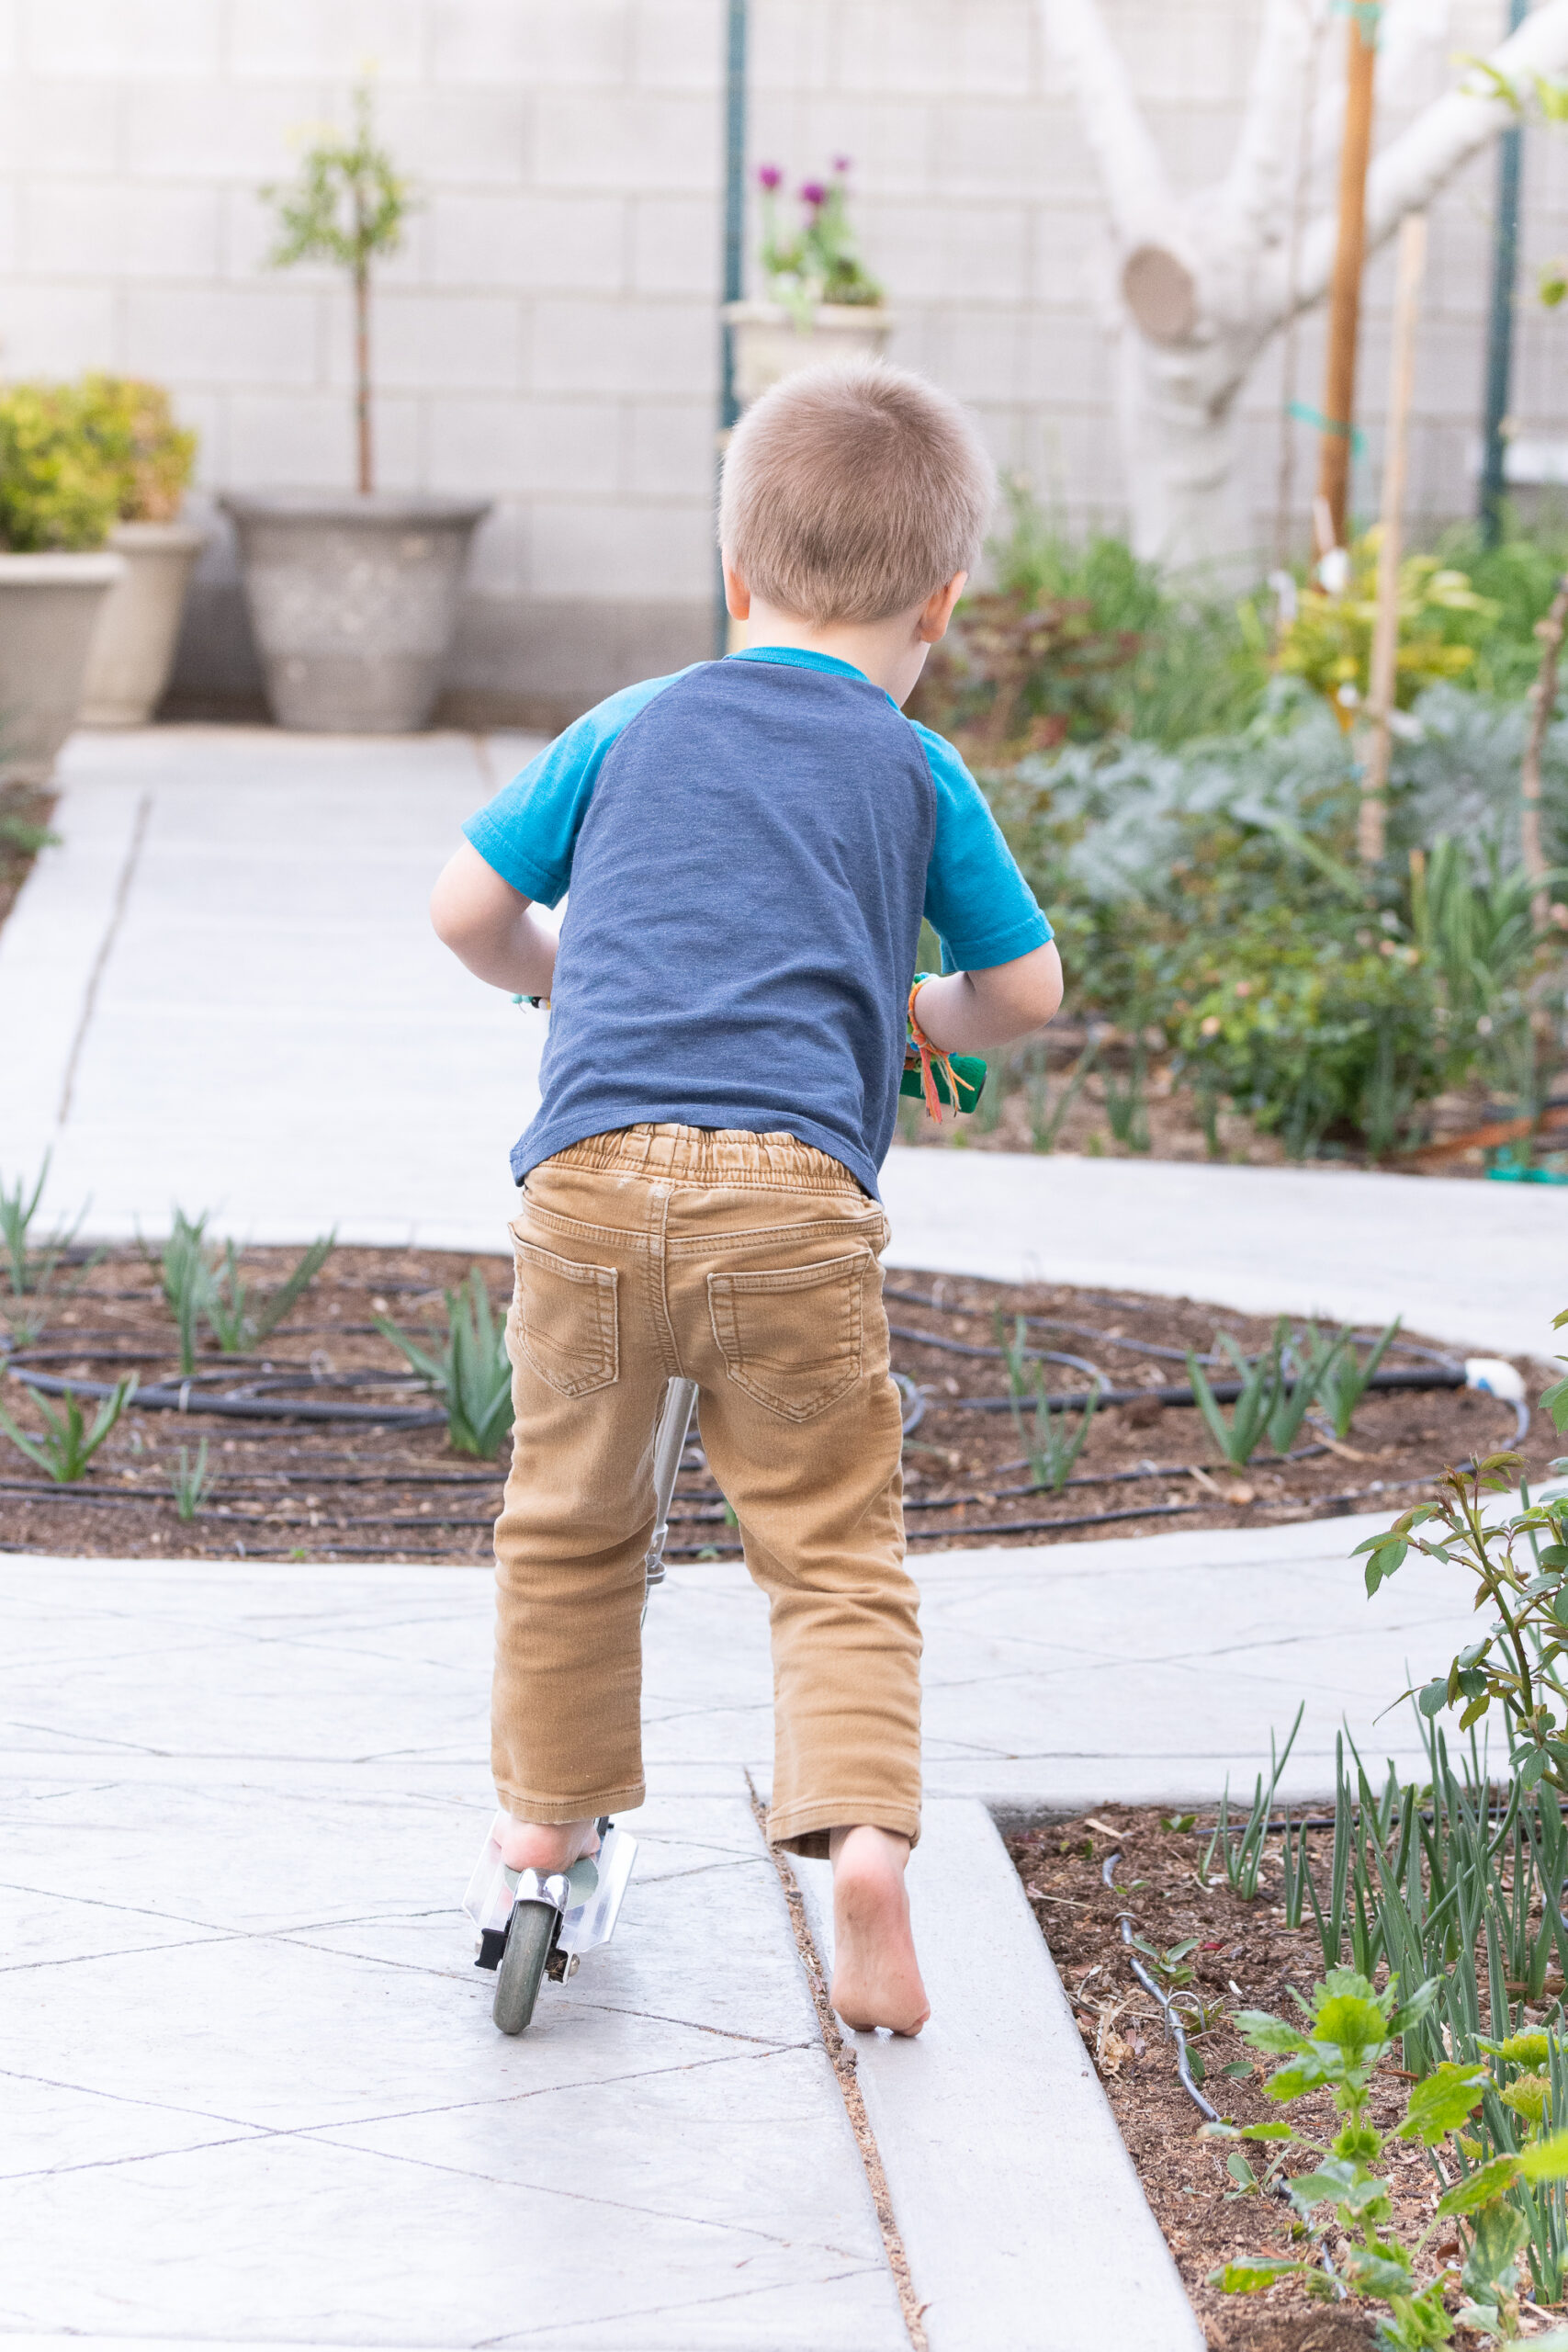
1225	1392
189	1398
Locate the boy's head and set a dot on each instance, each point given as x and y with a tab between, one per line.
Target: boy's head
853	493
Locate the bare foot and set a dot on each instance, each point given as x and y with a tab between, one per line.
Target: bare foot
547	1845
876	1978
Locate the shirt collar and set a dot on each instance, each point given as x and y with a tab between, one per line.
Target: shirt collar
796	657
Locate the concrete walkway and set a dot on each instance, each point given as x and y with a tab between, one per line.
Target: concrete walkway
222	990
252	2089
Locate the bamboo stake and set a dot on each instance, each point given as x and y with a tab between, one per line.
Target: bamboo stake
1542	702
1344	291
1383	678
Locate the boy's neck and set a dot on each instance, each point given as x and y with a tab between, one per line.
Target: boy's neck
890	653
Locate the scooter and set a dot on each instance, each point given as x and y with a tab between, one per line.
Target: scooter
532	1924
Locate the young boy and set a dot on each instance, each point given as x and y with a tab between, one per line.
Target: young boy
749	847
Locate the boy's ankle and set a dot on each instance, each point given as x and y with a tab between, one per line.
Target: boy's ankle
547	1845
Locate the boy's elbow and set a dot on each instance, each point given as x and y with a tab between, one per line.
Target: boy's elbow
1047	986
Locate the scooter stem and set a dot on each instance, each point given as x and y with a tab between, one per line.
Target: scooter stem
669	1445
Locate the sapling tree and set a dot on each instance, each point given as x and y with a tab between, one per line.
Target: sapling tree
1202	282
347	207
1348	2029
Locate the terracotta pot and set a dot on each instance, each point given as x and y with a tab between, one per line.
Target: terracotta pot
133	644
769	345
354	600
49	609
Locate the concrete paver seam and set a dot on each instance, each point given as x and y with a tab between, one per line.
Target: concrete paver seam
106	945
842	2060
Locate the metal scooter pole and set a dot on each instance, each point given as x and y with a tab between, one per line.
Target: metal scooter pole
669	1445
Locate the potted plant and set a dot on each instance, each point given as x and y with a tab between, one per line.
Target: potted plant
133	643
354	596
59	495
821	303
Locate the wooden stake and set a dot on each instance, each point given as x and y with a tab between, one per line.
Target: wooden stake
1542	702
1345	291
1384	679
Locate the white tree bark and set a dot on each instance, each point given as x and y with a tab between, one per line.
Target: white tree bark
1204	280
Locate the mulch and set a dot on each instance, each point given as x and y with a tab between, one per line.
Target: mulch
1247	1958
285	1488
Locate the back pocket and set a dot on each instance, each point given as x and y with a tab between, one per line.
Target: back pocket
567	1321
792	1339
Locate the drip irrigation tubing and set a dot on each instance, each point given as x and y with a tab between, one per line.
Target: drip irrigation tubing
1224	1392
1106	1339
188	1396
1172	2023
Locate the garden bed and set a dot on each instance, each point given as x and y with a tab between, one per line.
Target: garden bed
25	812
1246	1957
353	1460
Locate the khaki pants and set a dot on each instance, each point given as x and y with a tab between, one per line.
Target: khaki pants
749	1265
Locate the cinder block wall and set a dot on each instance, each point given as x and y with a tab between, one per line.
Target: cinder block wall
549	334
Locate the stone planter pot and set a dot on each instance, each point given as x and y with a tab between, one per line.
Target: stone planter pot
768	344
133	644
352	600
49	609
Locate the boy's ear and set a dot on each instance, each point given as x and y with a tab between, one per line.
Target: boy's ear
937	611
737	596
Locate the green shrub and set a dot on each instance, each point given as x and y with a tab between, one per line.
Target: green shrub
1314	1035
132	422
58	485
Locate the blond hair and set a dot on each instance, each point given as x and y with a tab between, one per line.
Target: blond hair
850	494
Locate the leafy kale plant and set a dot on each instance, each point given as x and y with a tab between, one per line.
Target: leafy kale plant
1347	2029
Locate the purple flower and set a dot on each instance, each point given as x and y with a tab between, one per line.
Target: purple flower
768	176
841	162
812	193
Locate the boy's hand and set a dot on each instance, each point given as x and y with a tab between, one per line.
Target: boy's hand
491	927
967	1012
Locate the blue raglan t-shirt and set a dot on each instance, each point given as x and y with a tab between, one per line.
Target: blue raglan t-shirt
749	847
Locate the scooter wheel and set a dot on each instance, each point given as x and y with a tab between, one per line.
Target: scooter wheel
528	1940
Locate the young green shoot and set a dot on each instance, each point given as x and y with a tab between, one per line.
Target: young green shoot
67	1444
191	1482
473	1373
240	1317
1051	1448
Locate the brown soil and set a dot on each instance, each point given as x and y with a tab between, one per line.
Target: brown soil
1248	1958
25	812
372	1490
1016	1111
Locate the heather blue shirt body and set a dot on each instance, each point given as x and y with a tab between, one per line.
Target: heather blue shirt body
750	847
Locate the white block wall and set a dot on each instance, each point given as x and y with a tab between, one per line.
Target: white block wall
549	334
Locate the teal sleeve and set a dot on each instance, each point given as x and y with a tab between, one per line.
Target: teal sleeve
976	900
527	833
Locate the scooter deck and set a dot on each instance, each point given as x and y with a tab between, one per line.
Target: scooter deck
598	1884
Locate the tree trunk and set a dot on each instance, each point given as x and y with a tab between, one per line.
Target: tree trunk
362	377
1204	280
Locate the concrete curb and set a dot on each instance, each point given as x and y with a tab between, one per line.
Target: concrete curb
999	2147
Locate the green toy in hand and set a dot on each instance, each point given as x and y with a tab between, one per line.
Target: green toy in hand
940	1078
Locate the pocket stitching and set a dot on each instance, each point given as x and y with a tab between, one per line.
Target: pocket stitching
605	1283
722	1290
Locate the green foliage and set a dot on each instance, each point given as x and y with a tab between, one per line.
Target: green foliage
202	1284
473	1373
59	486
1517	1565
191	1483
132	423
820	261
1277	1388
1328	640
348	205
30	1262
1349	2028
1049	1448
241	1317
1241	1851
67	1444
1340	1376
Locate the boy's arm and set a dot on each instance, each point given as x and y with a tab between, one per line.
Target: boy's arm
491	927
967	1012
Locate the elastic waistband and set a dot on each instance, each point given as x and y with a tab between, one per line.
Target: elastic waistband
713	1155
